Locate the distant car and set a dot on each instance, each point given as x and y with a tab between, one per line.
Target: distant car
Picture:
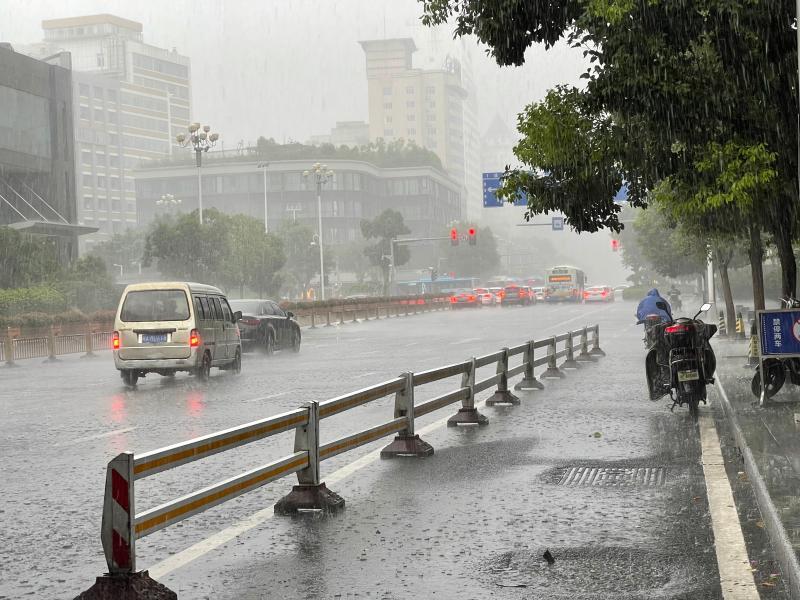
538	293
464	299
514	295
598	293
485	297
621	287
529	295
266	326
498	293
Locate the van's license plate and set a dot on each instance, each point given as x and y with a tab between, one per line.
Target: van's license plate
688	376
154	338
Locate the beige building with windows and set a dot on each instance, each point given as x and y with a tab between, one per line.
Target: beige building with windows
423	106
130	101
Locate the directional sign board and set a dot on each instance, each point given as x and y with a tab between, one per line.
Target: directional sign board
558	223
779	332
491	182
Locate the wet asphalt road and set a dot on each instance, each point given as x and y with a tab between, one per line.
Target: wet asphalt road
470	522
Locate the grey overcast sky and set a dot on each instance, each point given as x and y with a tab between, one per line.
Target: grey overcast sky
289	69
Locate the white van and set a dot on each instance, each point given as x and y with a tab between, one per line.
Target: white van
167	327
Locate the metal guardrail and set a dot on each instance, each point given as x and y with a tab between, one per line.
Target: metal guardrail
122	525
15	348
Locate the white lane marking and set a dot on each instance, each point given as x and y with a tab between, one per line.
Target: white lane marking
278	395
736	578
98	436
203	547
466	341
362	375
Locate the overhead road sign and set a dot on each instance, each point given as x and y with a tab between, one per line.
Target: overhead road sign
491	183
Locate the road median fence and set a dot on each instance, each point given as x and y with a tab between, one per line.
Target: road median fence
51	342
122	525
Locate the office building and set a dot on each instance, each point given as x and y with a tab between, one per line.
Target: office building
427	198
37	161
130	101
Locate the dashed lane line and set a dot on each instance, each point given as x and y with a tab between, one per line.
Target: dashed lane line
203	547
736	578
97	436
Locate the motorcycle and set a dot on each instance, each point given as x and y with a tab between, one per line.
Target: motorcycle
776	369
682	363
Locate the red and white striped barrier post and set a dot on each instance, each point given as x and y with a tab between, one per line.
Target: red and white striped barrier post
119	542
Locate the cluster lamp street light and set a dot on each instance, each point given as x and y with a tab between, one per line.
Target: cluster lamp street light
168	200
200	140
320	175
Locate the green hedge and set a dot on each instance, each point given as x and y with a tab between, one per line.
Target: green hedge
320	304
42	299
41	319
635	293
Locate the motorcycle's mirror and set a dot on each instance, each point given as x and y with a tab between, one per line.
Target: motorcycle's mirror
703	309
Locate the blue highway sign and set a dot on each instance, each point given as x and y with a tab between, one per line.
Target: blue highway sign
491	182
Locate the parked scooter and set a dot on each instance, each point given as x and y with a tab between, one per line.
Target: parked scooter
682	362
776	369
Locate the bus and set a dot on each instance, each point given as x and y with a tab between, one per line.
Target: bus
564	284
441	285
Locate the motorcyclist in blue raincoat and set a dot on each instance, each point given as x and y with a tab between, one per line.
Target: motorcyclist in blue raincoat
653	304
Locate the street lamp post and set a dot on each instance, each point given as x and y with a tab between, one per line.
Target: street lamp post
169	201
199	141
321	175
263	166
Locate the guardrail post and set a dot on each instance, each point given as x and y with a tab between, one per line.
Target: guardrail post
89	343
51	346
355	313
407	443
596	351
327	317
584	356
529	381
9	349
119	541
570	363
341	315
552	372
313	318
310	493
502	395
468	414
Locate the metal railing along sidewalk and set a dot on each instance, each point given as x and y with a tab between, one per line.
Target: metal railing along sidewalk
122	525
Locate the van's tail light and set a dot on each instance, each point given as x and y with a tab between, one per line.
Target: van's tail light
677	328
115	340
194	339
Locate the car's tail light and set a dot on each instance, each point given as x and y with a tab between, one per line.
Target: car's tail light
194	338
471	298
605	293
453	299
249	321
585	294
521	294
115	340
677	328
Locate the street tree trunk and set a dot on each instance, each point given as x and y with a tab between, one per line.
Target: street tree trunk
723	259
756	254
783	242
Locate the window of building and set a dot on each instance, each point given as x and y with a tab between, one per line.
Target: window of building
114	183
101	181
387	118
113	160
115	205
101	60
100	157
430	90
410	104
409	89
357	182
83	89
411	117
431	104
87	180
85	113
102	204
88	203
129	184
387	106
413	186
431	131
388	132
430	117
86	157
387	91
130	206
98	93
112	96
412	131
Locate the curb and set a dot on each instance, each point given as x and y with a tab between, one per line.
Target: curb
777	534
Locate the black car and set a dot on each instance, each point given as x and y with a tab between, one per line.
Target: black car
267	326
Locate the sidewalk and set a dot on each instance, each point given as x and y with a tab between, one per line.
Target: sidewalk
772	434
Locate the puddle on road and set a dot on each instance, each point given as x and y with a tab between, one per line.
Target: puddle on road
599	572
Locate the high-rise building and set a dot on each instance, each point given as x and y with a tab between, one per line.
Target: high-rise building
425	106
37	163
130	101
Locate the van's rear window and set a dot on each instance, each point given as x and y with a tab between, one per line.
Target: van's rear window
155	305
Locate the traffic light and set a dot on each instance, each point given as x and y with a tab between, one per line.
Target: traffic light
434	274
473	236
614	245
454	237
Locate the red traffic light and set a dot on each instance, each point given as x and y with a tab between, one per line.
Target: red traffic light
614	245
454	236
472	236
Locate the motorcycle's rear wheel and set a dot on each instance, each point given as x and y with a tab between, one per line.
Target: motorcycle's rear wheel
774	378
694	407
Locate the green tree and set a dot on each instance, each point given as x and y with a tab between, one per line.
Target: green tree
302	258
26	260
255	257
125	248
184	249
465	260
384	228
351	258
